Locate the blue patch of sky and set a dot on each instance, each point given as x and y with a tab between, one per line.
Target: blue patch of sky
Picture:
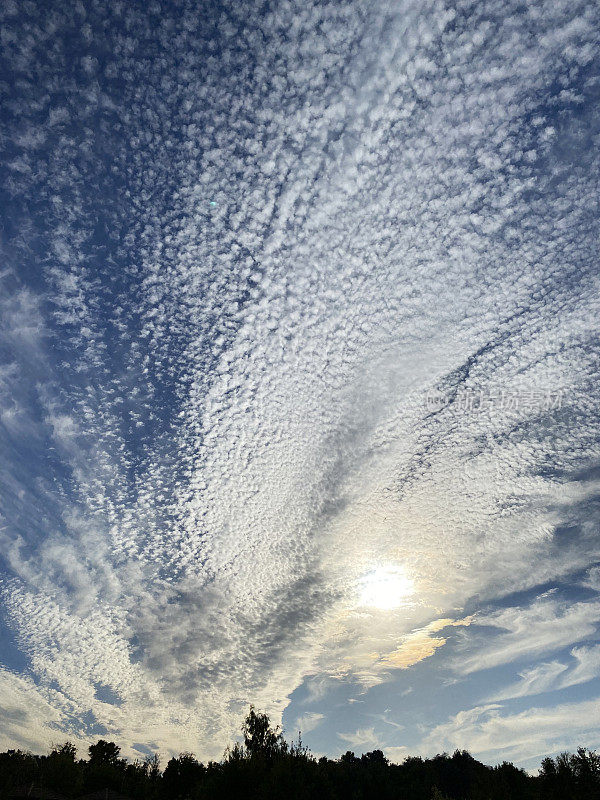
106	694
11	655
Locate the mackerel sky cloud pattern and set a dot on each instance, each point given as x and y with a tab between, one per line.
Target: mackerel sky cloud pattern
242	245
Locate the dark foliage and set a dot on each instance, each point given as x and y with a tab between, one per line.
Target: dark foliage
265	767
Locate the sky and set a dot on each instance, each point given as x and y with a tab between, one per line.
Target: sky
299	375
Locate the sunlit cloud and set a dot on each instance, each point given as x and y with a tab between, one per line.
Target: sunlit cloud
256	266
419	644
384	588
525	735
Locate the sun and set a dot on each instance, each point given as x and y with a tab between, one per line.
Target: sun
385	588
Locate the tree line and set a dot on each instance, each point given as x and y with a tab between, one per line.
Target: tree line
266	767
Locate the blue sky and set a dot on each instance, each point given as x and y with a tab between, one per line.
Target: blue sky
298	375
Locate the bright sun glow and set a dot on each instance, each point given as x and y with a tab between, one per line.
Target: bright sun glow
385	588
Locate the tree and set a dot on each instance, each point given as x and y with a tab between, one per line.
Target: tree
573	775
548	768
235	753
61	770
260	740
375	757
68	751
585	767
152	767
181	775
104	753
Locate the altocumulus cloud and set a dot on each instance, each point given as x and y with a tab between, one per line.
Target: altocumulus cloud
242	244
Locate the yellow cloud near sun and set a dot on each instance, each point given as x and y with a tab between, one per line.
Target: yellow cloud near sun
420	644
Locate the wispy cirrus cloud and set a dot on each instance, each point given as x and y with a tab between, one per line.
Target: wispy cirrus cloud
308	722
526	736
583	666
547	625
363	737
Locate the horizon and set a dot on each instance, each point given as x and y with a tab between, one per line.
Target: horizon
264	764
299	368
283	741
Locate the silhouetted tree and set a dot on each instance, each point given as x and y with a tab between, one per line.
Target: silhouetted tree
181	775
572	775
61	770
349	758
266	767
374	758
17	768
67	751
104	753
511	782
260	739
437	795
152	767
105	770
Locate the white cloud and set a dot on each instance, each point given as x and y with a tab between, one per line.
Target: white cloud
529	734
308	722
540	678
593	578
548	624
252	276
30	718
583	667
363	738
397	754
587	667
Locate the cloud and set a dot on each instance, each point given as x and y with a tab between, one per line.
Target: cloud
526	735
593	578
548	624
362	646
30	719
361	738
228	297
555	675
540	678
308	722
419	644
396	754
